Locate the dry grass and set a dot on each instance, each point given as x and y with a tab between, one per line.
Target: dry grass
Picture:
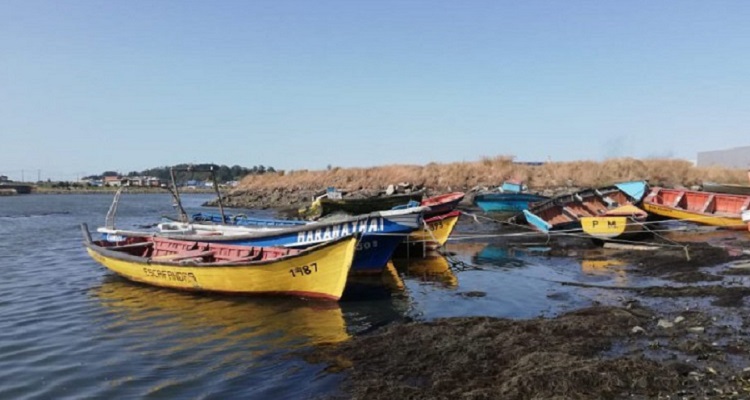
493	171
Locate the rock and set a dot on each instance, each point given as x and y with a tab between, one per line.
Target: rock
711	370
637	329
697	329
679	319
390	190
663	323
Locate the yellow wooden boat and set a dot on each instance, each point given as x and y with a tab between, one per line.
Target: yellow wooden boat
716	209
316	272
436	231
621	222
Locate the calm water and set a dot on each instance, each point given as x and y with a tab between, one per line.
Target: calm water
71	329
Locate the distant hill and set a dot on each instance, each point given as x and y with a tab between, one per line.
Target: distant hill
224	173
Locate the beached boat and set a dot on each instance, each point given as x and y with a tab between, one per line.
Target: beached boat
728	188
511	198
716	209
625	222
442	204
317	272
382	231
565	212
506	202
326	204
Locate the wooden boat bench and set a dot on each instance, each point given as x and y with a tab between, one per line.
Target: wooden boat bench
131	246
184	255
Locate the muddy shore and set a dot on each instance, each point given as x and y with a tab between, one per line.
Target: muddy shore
688	338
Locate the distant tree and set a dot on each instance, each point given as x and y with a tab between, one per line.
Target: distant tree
110	173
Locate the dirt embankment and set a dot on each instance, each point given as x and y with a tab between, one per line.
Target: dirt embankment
293	189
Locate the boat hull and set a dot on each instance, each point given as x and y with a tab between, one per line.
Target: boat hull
622	222
437	230
328	267
611	227
443	203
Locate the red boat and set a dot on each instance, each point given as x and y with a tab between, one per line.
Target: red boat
442	203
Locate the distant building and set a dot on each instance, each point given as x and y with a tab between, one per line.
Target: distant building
112	181
738	157
4	178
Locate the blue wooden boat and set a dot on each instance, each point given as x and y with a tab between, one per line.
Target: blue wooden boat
382	232
506	202
565	212
512	197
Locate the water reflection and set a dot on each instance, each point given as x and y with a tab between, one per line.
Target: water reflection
271	322
600	263
432	268
509	257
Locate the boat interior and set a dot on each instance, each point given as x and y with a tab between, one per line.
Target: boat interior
162	249
702	202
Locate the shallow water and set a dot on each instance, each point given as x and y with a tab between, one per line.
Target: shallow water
70	328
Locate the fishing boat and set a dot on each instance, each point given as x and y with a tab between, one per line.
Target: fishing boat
316	272
511	198
625	222
442	204
564	213
327	204
715	209
382	231
438	205
728	188
435	231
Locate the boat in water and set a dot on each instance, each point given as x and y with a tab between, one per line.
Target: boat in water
317	272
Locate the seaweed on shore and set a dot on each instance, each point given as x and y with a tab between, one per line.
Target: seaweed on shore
488	358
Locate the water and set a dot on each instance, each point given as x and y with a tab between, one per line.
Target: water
71	329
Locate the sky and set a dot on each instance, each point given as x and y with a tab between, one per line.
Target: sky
90	86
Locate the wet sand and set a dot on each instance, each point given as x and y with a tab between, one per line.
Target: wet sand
685	334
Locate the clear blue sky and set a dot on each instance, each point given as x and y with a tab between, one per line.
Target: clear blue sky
88	86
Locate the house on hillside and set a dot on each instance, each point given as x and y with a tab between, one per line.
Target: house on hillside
112	181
